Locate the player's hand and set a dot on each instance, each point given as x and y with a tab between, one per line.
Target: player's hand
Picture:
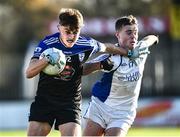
157	41
107	64
52	57
137	51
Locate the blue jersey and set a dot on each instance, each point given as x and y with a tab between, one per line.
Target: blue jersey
68	86
83	45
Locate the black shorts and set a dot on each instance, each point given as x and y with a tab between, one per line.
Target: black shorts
51	111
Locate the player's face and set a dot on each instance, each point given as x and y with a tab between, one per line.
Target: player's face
128	36
68	36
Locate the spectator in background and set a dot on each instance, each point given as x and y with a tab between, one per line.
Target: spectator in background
112	109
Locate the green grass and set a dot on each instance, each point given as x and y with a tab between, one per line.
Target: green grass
154	131
22	133
138	132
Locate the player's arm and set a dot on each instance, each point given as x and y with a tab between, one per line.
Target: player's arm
150	40
143	45
91	67
36	66
112	49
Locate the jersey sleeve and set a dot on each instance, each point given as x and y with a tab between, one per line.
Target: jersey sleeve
99	58
143	44
97	46
39	49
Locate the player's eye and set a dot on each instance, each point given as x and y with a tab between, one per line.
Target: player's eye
129	32
68	32
75	32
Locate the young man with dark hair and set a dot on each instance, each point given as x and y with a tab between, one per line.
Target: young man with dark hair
112	109
58	97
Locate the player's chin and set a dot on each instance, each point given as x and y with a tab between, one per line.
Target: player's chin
70	44
131	46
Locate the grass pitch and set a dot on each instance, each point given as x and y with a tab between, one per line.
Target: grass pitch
154	132
133	132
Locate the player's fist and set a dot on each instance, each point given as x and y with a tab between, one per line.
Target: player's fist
52	56
137	51
107	64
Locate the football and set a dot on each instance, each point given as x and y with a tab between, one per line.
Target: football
57	68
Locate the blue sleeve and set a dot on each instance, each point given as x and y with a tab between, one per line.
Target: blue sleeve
97	46
99	58
39	49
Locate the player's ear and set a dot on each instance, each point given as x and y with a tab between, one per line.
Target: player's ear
117	34
58	27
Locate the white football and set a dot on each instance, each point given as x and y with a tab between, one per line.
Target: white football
57	68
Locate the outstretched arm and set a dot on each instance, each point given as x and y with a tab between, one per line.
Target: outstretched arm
151	40
144	44
112	49
134	53
91	68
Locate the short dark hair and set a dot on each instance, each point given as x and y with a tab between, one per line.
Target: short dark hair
125	20
70	17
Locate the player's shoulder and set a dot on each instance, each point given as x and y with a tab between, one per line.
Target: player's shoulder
50	39
85	39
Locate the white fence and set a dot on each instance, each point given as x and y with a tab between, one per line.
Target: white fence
151	112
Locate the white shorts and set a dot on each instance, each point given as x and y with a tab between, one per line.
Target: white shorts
109	117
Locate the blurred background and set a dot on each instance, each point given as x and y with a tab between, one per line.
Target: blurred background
24	22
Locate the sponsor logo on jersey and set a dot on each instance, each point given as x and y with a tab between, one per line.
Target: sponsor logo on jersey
81	56
131	77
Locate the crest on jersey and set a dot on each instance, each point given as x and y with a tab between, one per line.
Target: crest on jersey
38	49
81	56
